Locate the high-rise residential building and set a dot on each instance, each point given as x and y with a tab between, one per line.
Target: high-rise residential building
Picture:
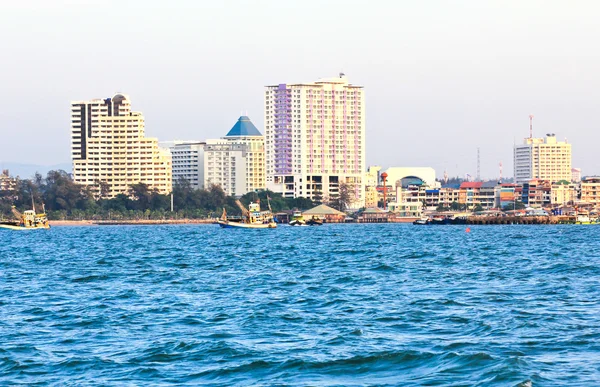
315	139
542	158
110	151
188	162
236	162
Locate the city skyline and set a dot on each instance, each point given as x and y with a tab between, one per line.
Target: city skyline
458	77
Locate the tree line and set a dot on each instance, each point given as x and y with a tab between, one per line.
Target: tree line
64	199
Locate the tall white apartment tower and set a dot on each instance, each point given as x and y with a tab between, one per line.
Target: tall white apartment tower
109	148
542	158
315	139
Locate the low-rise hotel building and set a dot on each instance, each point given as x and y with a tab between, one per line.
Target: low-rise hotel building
590	190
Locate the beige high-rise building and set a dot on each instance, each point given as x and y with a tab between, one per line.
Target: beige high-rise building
315	139
236	162
109	147
542	158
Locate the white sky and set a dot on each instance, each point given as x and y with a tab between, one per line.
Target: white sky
441	77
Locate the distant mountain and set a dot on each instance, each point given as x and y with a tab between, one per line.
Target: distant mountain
26	171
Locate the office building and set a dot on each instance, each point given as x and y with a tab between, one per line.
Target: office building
110	151
542	158
315	139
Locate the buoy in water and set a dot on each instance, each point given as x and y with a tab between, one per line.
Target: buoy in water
468	229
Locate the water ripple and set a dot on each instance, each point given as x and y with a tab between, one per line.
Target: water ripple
338	305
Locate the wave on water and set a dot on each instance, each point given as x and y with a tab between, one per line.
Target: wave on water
337	305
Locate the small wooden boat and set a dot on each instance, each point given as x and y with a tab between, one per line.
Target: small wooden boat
252	217
28	220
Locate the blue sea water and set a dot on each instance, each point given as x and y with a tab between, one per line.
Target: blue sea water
337	305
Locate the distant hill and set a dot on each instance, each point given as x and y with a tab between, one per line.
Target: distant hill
26	171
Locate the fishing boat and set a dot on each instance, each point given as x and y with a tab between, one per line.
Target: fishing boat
28	220
297	219
314	221
252	217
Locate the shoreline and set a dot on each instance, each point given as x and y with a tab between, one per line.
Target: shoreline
141	222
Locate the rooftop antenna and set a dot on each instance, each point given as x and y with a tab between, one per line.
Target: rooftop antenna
478	166
531	126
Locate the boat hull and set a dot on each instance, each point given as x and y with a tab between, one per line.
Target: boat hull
19	228
226	224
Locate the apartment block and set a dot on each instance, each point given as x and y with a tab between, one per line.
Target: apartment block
590	190
109	147
7	183
188	162
315	139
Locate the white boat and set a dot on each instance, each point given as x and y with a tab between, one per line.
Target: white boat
297	219
252	217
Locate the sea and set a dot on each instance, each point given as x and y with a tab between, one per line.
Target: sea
336	305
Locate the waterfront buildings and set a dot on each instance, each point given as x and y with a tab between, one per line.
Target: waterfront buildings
110	151
590	190
236	162
7	183
563	193
188	162
536	193
315	139
371	183
542	158
406	176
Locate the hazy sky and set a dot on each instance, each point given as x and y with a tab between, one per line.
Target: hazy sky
441	77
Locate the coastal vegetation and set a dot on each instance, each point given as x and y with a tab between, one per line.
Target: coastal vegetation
66	200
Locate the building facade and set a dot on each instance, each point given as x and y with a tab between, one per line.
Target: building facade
236	162
590	190
110	151
542	158
563	194
371	183
315	139
7	183
188	162
576	175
